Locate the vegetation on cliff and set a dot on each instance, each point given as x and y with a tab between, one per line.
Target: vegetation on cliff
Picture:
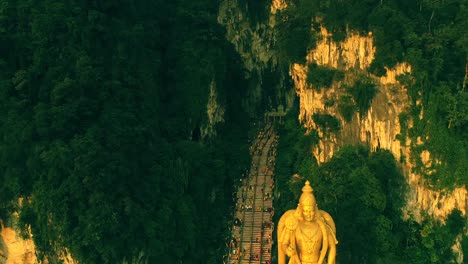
323	76
364	192
431	37
361	185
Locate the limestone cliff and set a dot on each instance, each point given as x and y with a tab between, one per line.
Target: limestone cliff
277	5
14	249
254	42
379	127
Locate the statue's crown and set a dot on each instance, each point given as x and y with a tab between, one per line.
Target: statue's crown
307	188
307	197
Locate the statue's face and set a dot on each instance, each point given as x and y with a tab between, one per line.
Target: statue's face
308	212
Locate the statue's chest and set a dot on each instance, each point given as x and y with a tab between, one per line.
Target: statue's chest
309	238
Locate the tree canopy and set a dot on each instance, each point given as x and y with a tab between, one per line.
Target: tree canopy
103	106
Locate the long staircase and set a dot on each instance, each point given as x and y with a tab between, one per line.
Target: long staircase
251	232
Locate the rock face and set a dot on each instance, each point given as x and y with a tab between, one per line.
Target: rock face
14	249
277	5
252	42
379	127
354	52
255	42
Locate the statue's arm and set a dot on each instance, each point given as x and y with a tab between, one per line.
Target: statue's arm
284	242
324	249
328	221
332	245
331	233
286	228
332	250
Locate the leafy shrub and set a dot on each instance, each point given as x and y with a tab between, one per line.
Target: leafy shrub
294	34
363	91
346	107
329	102
323	76
327	122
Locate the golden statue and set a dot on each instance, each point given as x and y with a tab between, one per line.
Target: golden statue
306	235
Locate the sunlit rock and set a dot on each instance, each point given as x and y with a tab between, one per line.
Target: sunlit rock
391	74
277	5
14	249
379	127
354	52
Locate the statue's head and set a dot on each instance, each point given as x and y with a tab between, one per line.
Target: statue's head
307	206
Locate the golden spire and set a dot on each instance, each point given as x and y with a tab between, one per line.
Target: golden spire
307	188
307	196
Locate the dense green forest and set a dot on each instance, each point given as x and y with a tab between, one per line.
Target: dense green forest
103	111
103	126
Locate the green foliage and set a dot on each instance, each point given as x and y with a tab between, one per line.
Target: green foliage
329	102
465	247
346	107
431	37
294	32
363	91
102	104
99	104
442	139
403	120
454	106
326	122
431	241
294	156
349	186
323	76
258	11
